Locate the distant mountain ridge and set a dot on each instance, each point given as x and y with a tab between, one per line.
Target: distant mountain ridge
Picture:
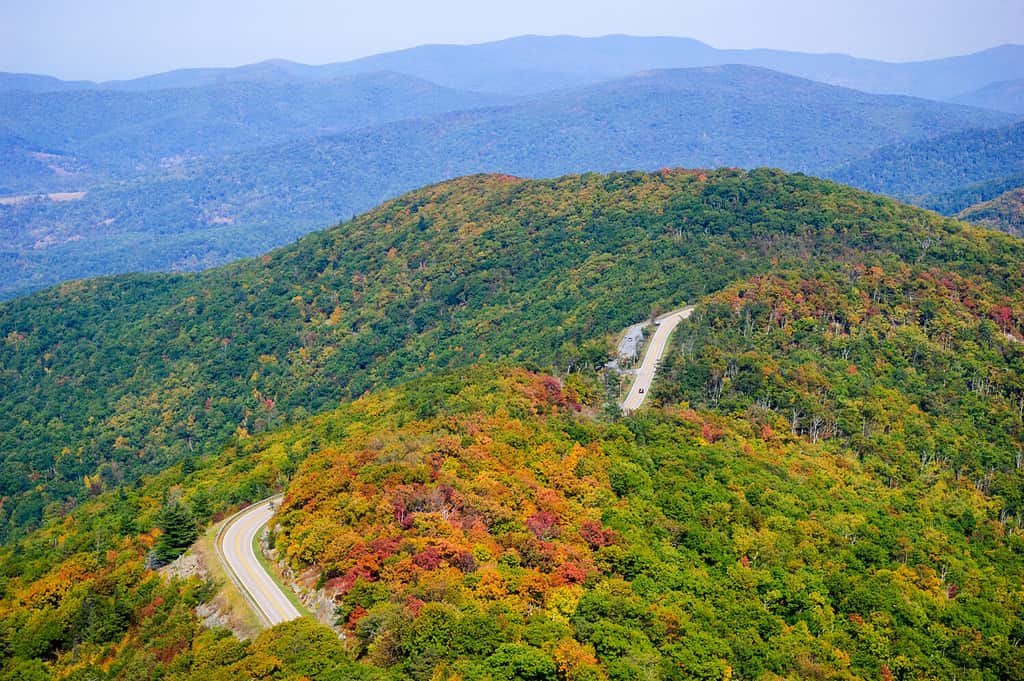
30	82
192	168
915	170
1004	95
244	203
531	64
128	133
1005	212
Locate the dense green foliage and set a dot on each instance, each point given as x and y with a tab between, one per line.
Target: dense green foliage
914	170
904	366
828	485
111	378
177	532
1005	212
196	213
673	545
77	597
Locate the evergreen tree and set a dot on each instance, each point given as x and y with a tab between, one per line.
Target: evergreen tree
201	508
179	531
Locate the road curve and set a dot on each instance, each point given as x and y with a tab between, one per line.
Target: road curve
235	549
652	355
235	540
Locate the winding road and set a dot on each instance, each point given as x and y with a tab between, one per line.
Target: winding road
235	550
652	355
235	539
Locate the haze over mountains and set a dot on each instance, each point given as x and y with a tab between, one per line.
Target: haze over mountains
826	478
1007	95
124	134
533	64
924	170
192	168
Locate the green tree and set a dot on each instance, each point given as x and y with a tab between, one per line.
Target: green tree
179	531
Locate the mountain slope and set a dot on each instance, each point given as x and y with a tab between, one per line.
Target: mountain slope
830	487
1005	212
244	204
952	201
531	64
1006	95
478	268
28	82
475	522
913	170
29	165
125	134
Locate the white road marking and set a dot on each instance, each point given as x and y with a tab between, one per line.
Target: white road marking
235	547
652	355
235	541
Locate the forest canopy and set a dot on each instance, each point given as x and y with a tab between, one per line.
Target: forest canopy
826	484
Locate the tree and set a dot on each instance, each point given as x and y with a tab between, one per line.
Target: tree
179	531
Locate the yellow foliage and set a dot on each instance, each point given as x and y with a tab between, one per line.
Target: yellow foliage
574	658
561	601
491	585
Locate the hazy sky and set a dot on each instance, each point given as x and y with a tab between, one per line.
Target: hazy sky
102	39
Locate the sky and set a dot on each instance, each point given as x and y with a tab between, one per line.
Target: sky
108	39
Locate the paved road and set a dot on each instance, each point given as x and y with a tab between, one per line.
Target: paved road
655	349
234	546
235	540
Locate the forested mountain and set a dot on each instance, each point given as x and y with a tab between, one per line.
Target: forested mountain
189	359
531	64
955	200
278	71
828	485
1005	212
203	213
125	134
24	163
28	82
946	163
1006	95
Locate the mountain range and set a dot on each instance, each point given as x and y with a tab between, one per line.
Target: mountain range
200	203
1007	95
533	64
119	135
